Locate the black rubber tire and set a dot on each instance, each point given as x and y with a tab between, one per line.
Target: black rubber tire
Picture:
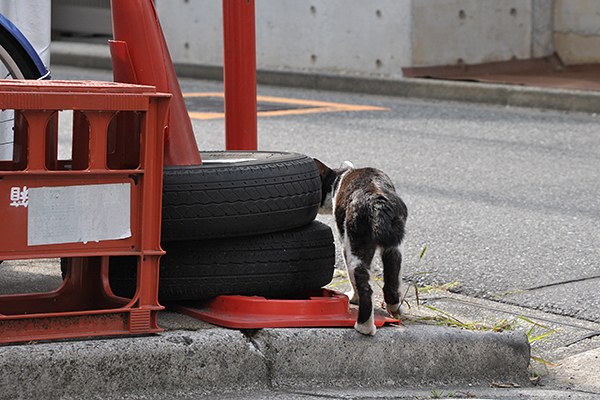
278	264
273	191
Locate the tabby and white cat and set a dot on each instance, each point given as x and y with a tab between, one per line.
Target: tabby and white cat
370	218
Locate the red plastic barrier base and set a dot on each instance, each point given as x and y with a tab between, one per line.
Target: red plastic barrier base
325	309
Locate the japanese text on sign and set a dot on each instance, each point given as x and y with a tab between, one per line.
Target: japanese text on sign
19	197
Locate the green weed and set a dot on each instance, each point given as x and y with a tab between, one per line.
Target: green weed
423	251
444	319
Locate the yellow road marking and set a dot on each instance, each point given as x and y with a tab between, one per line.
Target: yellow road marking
205	115
312	106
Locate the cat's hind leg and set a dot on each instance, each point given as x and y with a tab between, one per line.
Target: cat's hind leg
392	264
365	323
352	293
358	264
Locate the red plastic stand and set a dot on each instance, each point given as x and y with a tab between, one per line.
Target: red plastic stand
140	55
325	309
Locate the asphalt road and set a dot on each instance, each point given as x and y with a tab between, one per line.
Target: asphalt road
505	199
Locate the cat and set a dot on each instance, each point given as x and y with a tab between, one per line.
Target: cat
370	218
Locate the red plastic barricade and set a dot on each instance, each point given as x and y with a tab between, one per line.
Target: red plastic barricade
103	201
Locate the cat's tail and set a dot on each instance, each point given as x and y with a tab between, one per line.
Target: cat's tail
389	220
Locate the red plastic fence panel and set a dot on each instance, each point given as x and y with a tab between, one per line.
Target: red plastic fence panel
102	202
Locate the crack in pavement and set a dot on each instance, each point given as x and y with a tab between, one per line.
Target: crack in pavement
560	283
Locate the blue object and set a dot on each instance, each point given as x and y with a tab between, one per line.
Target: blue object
22	40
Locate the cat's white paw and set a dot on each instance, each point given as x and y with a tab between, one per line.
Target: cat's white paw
366	328
352	296
393	309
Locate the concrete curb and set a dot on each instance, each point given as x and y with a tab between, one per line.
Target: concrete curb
98	56
416	355
209	360
217	360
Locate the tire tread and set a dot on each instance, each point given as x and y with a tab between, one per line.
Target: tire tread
275	264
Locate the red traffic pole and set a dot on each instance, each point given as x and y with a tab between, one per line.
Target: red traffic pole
239	75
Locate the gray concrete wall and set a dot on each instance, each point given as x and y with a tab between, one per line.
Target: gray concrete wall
379	37
448	32
193	29
542	20
335	36
339	36
577	30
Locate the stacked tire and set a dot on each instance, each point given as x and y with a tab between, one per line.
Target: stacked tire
240	223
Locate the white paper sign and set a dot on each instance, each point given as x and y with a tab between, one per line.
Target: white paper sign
78	214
